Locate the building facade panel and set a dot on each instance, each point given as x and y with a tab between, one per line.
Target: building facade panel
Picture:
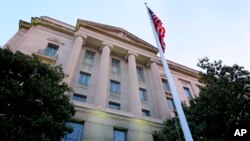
88	90
121	76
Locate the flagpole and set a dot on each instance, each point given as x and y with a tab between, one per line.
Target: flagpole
182	118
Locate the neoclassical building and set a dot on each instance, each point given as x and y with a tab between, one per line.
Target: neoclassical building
120	90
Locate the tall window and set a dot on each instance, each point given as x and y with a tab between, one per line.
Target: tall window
114	87
84	79
140	74
170	103
76	135
143	94
89	57
187	92
114	105
119	135
145	112
165	85
79	97
115	65
51	50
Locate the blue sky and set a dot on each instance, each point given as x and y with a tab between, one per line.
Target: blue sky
218	29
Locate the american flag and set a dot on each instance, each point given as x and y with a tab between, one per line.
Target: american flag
160	30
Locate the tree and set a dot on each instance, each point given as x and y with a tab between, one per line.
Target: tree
223	102
170	132
33	104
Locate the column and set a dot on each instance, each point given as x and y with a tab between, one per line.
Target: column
101	95
135	102
73	57
159	91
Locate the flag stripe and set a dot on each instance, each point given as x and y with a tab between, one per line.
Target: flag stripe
160	30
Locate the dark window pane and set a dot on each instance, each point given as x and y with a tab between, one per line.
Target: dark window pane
165	85
89	57
146	113
114	87
51	50
114	105
170	103
78	97
76	135
143	94
140	73
187	92
84	78
119	135
115	65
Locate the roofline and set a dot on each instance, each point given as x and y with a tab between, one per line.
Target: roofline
85	23
114	28
181	68
46	17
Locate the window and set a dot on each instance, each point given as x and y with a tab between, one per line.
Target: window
170	103
114	87
51	50
143	94
187	92
115	65
78	97
114	105
119	135
145	112
84	78
89	57
76	135
140	74
165	85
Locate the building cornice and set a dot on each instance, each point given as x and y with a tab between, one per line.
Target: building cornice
23	24
181	69
39	21
184	71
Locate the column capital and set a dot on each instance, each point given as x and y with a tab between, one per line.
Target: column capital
106	44
80	34
151	60
131	53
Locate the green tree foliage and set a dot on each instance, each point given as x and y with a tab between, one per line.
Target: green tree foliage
33	106
223	103
170	132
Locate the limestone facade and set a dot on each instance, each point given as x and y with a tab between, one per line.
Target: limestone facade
117	77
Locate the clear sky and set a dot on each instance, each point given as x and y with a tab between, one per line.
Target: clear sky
218	29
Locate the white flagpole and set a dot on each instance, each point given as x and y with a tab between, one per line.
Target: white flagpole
182	118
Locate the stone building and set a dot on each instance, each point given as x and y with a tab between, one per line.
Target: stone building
120	90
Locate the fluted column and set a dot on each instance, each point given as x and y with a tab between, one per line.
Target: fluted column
73	57
101	94
159	91
135	102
